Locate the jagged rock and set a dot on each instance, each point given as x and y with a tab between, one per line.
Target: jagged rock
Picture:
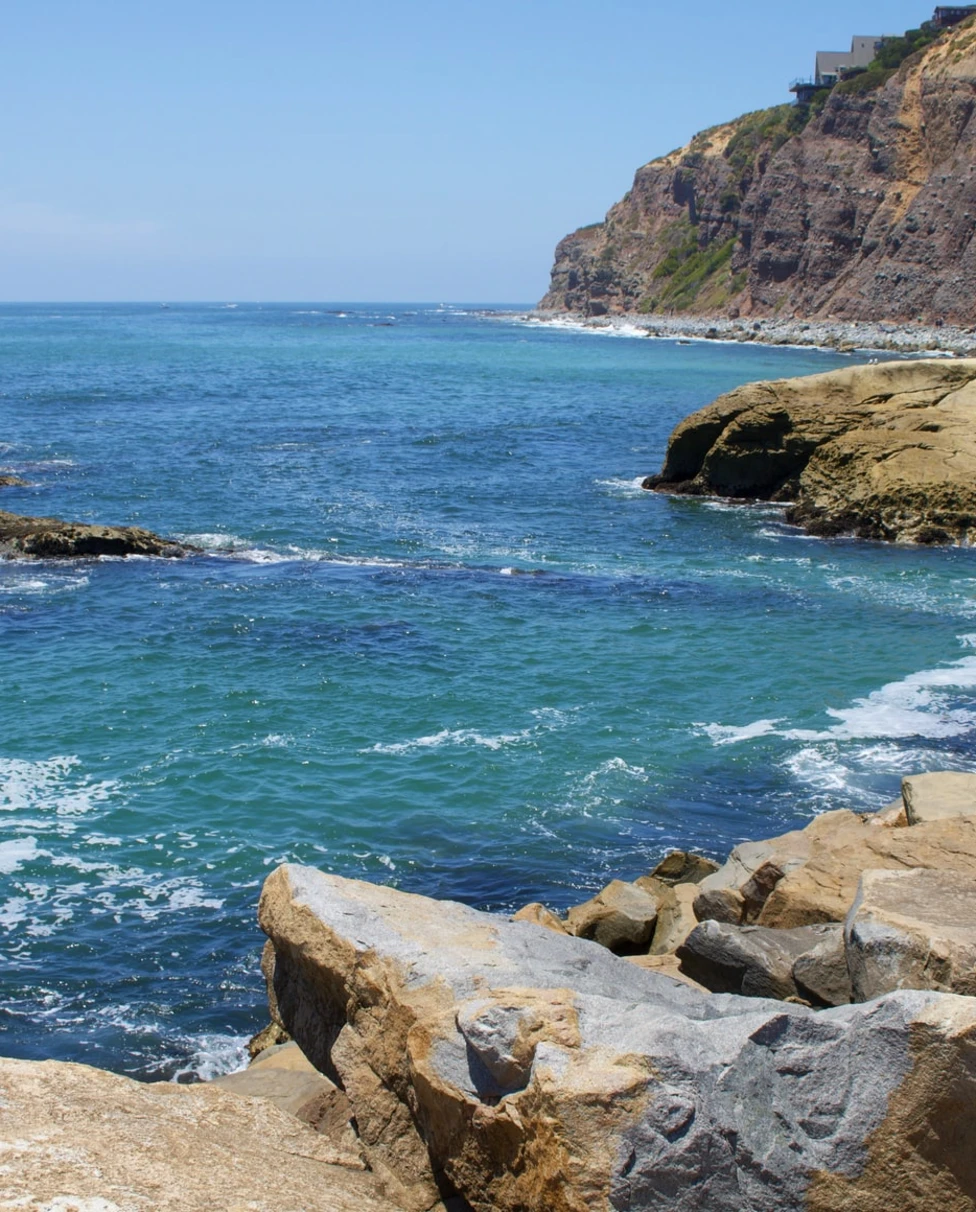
51	539
73	1137
935	797
620	917
821	975
882	452
12	482
912	930
538	913
751	960
540	1073
270	1036
682	867
822	865
866	211
675	918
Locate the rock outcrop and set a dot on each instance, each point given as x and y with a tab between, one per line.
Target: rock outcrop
530	1071
864	211
52	539
77	1139
882	451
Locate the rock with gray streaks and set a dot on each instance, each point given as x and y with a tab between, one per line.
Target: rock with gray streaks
527	1070
754	961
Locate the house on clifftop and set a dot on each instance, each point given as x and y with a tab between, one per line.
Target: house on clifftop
831	65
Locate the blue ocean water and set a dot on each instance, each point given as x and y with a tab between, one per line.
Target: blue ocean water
439	637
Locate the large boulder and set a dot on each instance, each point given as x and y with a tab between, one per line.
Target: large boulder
534	1072
620	917
752	960
938	796
77	1138
884	452
912	930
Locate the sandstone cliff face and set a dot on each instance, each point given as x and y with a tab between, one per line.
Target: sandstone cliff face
868	212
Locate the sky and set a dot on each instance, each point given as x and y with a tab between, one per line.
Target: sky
419	150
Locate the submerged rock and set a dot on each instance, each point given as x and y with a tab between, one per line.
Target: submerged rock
8	481
52	539
535	1072
880	452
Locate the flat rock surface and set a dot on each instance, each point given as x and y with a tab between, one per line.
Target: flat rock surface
53	539
938	796
537	1072
883	452
73	1137
913	930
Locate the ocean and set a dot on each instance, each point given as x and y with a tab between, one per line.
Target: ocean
438	637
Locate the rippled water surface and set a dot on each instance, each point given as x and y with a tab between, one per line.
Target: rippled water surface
438	637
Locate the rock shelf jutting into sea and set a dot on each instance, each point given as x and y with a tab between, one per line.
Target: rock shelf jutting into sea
436	636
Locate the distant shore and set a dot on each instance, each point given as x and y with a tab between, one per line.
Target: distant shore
842	335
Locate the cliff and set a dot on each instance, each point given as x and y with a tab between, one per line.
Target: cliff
863	210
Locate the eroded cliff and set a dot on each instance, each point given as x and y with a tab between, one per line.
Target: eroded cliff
865	210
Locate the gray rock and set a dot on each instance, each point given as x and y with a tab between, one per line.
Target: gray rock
750	960
821	975
532	1071
934	797
912	930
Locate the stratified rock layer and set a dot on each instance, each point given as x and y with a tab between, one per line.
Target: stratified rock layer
52	539
883	452
537	1072
73	1137
867	212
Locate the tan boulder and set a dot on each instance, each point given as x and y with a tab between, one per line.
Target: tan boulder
683	867
938	796
76	1137
912	930
620	917
538	913
884	452
675	918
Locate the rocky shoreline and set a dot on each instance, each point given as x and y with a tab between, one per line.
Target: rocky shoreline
846	336
793	1030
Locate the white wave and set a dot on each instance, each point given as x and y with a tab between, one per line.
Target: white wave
725	734
14	854
212	1056
916	706
454	736
36	585
623	486
50	785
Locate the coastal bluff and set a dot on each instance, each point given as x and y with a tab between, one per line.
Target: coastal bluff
885	451
861	207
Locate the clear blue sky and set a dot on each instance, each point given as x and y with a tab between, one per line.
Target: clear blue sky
424	150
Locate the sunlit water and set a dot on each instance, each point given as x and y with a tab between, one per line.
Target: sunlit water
439	638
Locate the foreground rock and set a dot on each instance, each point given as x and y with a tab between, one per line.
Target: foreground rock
51	539
881	452
534	1071
76	1138
913	930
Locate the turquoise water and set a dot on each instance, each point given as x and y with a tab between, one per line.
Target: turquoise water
439	637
